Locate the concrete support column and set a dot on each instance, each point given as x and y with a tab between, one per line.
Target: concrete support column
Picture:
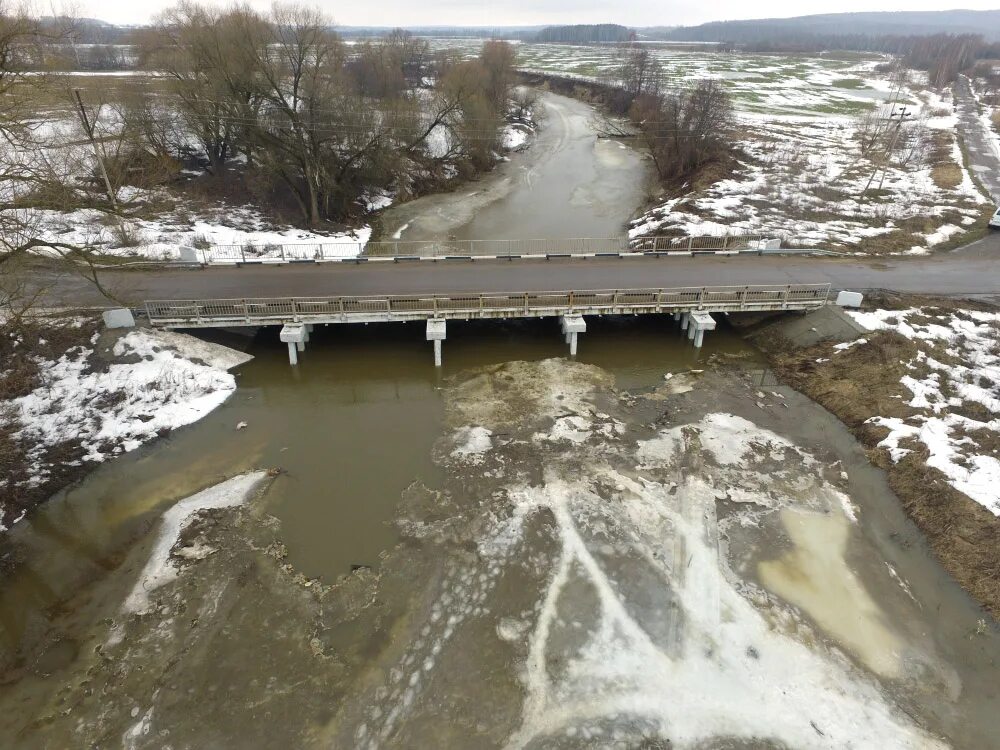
677	316
685	319
700	322
295	335
437	332
573	326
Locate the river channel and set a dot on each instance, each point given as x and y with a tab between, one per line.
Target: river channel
646	547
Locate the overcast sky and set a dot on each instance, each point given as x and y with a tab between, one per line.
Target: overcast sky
534	12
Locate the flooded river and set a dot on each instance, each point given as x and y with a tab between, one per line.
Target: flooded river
646	547
568	184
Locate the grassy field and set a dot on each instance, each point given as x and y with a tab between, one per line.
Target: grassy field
761	84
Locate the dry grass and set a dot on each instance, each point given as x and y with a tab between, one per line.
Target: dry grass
21	351
946	173
947	176
863	382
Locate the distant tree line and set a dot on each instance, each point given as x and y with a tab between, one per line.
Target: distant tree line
584	34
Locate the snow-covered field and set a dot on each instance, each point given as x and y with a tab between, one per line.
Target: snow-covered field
954	389
806	181
154	381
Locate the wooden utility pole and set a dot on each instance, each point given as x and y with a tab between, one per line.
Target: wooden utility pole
903	114
902	117
89	129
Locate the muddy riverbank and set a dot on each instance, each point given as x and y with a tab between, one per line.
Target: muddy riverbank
874	377
603	558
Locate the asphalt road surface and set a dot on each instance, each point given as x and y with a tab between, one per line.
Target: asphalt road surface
983	155
965	274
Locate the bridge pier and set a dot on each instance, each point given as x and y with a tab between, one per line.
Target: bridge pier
573	326
699	322
685	319
295	335
437	332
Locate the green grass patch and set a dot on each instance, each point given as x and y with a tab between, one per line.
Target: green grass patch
843	108
849	83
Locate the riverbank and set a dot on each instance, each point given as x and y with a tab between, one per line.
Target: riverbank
74	394
920	391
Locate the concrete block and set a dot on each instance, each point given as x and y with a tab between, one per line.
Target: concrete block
702	321
118	318
437	329
293	333
850	299
189	254
573	324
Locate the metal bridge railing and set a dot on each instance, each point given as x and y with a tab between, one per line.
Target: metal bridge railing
273	311
323	251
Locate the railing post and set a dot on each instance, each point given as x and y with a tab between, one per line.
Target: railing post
570	297
283	251
243	253
690	243
149	315
701	298
743	300
295	310
725	241
659	300
784	302
246	310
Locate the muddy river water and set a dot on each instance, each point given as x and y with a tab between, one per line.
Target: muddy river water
646	547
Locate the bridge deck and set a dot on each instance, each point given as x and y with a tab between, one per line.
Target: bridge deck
387	308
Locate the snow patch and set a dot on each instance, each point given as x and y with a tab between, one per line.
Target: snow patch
160	569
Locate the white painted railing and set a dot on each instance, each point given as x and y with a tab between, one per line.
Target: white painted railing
497	248
349	309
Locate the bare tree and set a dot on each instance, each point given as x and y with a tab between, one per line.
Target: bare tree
685	130
638	73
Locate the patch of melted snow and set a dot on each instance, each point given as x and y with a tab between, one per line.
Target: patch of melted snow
160	569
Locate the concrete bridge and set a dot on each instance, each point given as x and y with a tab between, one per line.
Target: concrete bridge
692	307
